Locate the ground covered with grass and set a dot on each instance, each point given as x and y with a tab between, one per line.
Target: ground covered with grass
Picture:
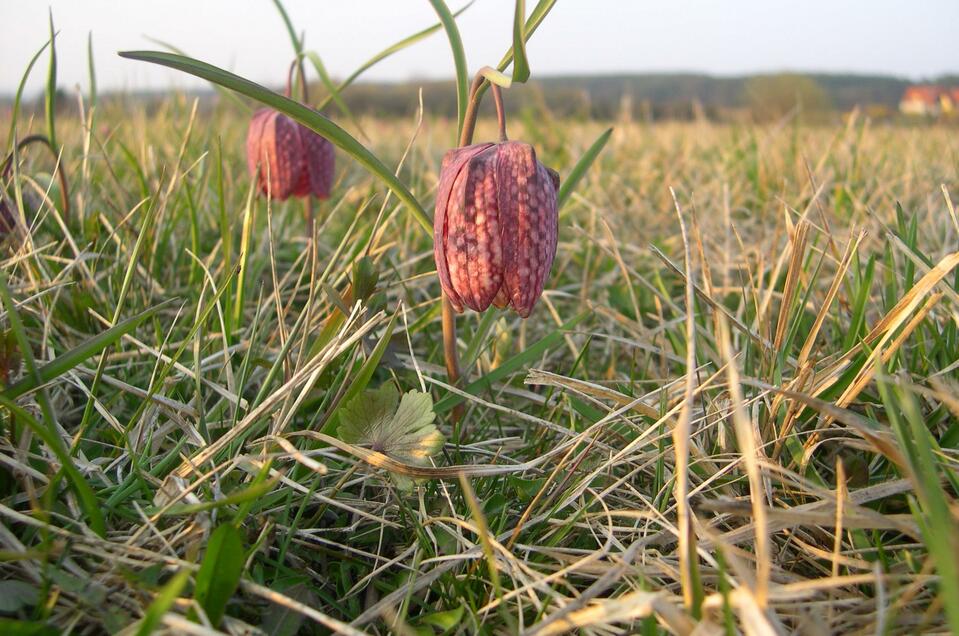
734	409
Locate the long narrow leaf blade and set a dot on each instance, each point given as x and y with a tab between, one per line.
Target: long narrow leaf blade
230	95
303	114
332	89
63	363
388	51
88	499
520	63
51	92
294	40
162	603
459	59
576	174
220	572
15	111
532	23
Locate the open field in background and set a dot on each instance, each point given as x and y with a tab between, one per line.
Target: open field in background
815	432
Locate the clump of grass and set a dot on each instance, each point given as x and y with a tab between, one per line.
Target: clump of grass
781	328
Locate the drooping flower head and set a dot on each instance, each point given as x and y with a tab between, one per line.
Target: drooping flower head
495	227
287	158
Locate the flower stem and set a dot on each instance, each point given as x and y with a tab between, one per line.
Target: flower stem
500	113
61	170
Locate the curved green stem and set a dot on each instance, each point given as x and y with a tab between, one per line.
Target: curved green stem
61	171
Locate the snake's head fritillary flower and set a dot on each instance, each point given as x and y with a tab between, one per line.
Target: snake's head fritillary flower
288	158
495	227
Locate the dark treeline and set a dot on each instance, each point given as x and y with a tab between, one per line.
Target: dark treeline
647	96
654	96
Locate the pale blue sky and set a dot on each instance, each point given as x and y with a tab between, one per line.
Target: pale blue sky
912	38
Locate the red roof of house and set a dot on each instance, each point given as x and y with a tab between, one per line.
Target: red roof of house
924	93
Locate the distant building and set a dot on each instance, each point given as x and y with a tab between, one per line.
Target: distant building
929	100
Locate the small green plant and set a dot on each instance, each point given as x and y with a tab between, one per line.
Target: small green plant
401	428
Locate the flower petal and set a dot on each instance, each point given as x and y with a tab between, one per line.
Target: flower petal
453	163
529	223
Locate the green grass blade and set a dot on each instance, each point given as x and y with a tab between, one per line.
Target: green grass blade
306	116
63	363
540	11
51	92
936	519
576	174
163	602
251	493
459	60
220	572
520	63
92	71
294	40
331	88
387	52
88	499
48	430
15	111
230	95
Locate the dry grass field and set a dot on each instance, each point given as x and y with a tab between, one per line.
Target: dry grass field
734	410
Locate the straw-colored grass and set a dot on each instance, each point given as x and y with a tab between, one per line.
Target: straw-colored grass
734	409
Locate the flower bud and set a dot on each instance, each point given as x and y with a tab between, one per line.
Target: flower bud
495	227
288	158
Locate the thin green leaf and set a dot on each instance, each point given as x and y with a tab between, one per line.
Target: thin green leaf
532	23
387	52
543	7
13	627
91	69
306	116
576	174
294	40
247	494
936	519
163	602
76	356
333	90
520	63
459	60
220	572
48	430
11	140
51	92
88	500
230	95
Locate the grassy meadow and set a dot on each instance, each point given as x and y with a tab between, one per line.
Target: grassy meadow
734	410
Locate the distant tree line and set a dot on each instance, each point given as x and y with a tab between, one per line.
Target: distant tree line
642	97
658	96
